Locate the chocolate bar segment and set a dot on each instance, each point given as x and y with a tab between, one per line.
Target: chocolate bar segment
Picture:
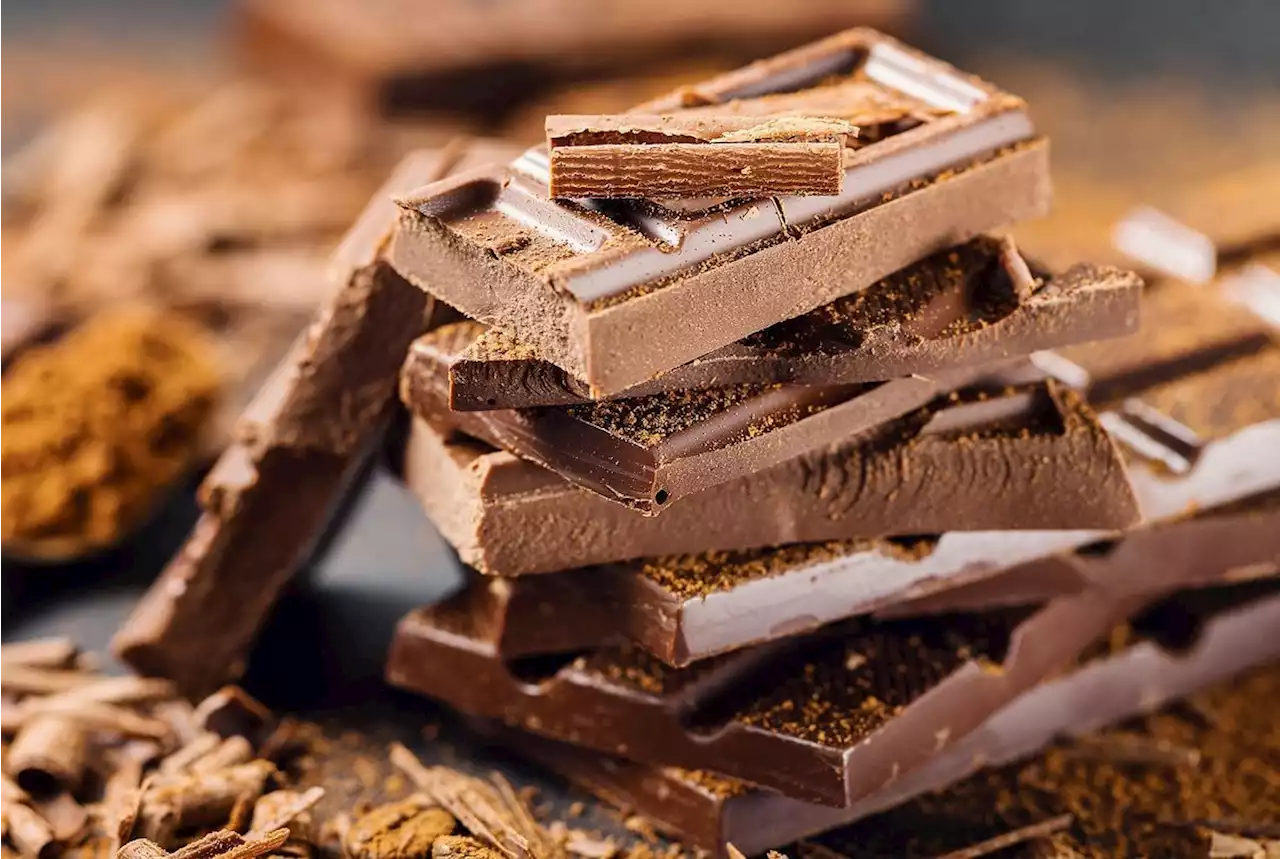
299	447
957	308
680	156
711	810
684	608
507	516
616	293
649	451
842	716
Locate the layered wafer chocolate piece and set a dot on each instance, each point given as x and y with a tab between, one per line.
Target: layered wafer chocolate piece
650	451
383	53
299	448
960	307
830	719
684	608
1209	229
1037	460
618	292
1134	675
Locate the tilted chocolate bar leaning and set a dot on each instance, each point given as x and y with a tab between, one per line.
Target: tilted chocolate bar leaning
267	501
615	293
957	308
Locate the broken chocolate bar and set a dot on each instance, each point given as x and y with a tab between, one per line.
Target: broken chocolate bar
1053	467
696	155
300	445
1212	227
957	308
616	293
712	811
684	608
829	720
379	52
650	451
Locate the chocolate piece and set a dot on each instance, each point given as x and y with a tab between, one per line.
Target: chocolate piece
1234	543
1211	227
699	156
302	443
687	607
463	56
506	516
649	451
617	293
856	707
957	308
712	810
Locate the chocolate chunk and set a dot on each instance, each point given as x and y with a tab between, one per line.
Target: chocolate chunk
696	156
649	451
957	308
302	443
711	810
617	293
848	713
684	608
1057	470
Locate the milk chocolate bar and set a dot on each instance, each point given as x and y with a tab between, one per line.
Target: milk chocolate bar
618	292
959	307
385	54
1209	229
299	447
711	810
830	720
684	608
650	451
1058	470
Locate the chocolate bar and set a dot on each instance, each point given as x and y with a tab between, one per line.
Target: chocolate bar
299	447
507	516
957	308
616	293
684	608
386	55
1209	229
650	451
829	720
682	155
711	810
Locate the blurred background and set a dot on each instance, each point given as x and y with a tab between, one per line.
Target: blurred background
176	172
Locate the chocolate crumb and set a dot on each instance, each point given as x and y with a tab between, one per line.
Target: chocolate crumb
398	830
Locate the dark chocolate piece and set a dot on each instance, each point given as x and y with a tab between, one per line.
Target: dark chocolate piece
684	608
1060	470
957	308
300	445
711	810
677	155
650	451
856	707
617	293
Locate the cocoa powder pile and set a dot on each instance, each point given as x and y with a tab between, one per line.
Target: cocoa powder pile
97	425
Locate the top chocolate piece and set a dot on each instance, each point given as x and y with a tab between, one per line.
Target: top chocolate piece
616	293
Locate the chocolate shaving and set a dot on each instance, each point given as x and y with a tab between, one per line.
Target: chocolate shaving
66	817
281	808
37	680
181	760
232	712
1014	836
38	653
1024	282
27	830
1134	749
101	717
50	754
462	847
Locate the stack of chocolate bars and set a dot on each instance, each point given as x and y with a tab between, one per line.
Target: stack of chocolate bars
780	479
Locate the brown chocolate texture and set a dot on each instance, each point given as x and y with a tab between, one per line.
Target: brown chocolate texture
300	445
650	451
830	721
1059	470
957	308
618	293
